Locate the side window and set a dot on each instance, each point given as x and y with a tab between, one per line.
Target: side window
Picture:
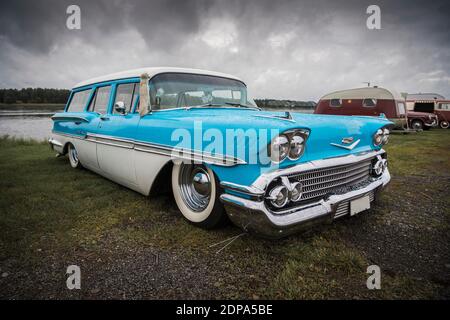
369	102
78	101
126	93
335	102
101	99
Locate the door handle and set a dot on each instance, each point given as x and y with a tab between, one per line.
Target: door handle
104	118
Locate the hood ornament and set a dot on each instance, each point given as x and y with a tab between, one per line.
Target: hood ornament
287	116
345	143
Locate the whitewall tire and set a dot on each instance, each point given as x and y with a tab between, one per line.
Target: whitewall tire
444	124
73	156
196	192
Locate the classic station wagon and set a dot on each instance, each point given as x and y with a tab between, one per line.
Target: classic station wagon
200	133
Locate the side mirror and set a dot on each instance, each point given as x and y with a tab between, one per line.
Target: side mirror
119	107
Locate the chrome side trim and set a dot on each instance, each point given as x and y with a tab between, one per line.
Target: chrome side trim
69	118
176	153
82	137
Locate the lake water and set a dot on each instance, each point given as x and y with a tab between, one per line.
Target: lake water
27	124
37	124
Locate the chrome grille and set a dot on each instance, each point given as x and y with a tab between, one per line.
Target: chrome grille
344	207
319	182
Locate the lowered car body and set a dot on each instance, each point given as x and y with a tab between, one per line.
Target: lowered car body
282	172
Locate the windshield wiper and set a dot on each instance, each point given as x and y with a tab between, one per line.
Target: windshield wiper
242	105
206	105
238	105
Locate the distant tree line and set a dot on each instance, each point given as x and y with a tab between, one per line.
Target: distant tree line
273	103
34	95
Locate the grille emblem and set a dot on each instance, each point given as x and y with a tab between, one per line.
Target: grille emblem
347	141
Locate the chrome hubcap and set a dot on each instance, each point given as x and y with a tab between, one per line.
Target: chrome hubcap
73	155
195	185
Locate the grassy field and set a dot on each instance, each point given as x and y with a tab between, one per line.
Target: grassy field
130	246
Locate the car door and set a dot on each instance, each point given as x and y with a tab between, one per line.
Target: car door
116	130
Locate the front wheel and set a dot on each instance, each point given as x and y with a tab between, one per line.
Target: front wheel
196	192
444	124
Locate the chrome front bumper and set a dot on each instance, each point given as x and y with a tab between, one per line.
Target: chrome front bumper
250	212
433	124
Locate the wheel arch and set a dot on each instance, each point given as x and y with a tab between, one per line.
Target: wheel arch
162	182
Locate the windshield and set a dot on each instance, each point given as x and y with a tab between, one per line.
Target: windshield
179	90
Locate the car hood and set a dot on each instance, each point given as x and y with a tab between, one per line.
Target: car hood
326	131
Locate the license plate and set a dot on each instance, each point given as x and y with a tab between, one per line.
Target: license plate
360	204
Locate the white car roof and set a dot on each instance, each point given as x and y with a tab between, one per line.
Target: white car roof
151	72
363	93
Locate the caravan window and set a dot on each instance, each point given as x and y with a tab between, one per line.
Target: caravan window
335	102
444	106
369	102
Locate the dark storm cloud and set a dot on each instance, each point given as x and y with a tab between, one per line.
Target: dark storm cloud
306	47
37	25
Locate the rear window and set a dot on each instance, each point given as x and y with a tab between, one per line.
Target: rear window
78	101
335	102
370	102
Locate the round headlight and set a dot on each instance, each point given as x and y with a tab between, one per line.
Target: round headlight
385	136
279	149
279	196
378	138
297	145
296	192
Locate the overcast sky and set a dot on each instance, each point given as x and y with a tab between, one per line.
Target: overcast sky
282	49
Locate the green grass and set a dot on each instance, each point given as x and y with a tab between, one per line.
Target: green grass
46	206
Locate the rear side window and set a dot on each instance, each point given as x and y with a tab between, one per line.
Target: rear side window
78	101
369	102
126	93
335	102
100	102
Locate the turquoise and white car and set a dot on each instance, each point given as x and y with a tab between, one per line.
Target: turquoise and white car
201	135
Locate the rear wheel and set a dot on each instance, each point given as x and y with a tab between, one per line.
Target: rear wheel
196	192
444	124
73	156
417	125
